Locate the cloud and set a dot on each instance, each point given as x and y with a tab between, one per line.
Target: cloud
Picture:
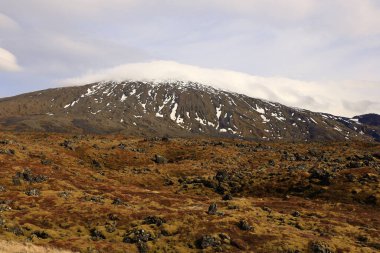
310	40
326	97
8	61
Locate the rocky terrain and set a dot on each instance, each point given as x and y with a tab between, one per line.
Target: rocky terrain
176	108
112	193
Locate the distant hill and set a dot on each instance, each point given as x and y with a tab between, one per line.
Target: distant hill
174	108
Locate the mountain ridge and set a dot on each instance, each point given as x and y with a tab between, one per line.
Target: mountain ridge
175	108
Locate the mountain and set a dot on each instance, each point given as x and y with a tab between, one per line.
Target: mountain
372	122
173	108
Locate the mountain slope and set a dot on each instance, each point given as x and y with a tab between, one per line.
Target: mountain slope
174	108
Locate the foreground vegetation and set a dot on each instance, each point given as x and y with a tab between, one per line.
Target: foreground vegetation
118	194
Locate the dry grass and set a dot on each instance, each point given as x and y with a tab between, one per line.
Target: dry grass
85	178
15	247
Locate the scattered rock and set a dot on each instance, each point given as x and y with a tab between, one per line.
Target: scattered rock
4	208
46	162
17	230
113	217
244	225
221	176
41	234
323	176
2	188
122	146
320	247
67	144
28	176
64	194
7	151
117	201
354	164
96	235
160	159
154	220
33	192
296	214
96	164
212	209
137	235
207	241
227	197
168	182
267	209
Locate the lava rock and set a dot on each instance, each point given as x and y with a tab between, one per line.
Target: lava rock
33	192
96	235
221	175
113	217
28	176
296	214
117	201
41	234
227	197
142	247
137	235
320	247
212	209
64	194
244	225
160	159
207	241
154	220
16	230
67	144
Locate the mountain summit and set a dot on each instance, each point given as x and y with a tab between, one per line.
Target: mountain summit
174	108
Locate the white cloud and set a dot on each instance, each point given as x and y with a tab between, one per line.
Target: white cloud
328	97
8	61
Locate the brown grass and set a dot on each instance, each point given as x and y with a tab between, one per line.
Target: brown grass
181	192
16	247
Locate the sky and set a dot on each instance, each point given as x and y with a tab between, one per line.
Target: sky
321	55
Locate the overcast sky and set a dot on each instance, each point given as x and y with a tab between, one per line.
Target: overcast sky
322	55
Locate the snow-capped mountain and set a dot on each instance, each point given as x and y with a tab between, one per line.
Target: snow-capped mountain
175	108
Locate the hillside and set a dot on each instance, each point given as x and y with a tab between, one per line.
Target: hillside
175	108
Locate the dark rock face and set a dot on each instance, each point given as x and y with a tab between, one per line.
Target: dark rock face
371	119
172	109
